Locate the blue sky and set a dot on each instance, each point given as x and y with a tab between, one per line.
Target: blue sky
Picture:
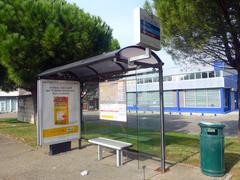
119	16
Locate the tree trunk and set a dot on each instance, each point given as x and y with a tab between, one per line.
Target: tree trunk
34	99
238	91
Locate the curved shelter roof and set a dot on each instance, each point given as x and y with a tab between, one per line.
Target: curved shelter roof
105	65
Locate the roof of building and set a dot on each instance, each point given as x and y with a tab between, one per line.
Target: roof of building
18	92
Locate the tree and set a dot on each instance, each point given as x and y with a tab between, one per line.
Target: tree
115	44
41	34
5	83
202	31
148	7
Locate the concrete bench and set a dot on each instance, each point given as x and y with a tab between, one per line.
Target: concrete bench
113	144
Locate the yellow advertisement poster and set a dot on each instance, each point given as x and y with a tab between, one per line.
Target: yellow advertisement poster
60	131
60	110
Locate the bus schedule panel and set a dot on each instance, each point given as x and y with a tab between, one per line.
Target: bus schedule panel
112	101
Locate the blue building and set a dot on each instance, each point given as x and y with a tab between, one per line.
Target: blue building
198	89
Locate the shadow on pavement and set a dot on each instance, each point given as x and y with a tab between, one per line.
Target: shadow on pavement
176	125
232	160
230	127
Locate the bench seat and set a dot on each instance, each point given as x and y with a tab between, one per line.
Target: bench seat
110	143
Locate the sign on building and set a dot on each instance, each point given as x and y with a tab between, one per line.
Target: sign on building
58	111
146	29
112	101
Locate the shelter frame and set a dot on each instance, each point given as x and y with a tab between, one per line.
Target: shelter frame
112	65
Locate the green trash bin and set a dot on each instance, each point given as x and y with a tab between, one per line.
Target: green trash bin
212	148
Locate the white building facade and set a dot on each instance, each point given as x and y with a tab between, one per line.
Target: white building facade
11	101
198	89
8	101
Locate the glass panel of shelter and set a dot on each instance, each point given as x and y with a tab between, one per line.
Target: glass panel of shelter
93	126
142	128
147	120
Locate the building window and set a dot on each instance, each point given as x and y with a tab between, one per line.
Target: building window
8	105
186	77
202	98
147	98
140	81
204	75
181	98
131	82
211	74
198	75
14	105
155	79
213	97
192	76
170	98
2	106
141	96
175	78
148	80
190	100
153	98
218	73
181	77
167	78
131	99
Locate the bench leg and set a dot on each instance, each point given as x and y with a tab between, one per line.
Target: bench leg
99	152
119	157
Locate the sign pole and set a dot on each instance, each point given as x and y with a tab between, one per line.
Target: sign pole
81	130
162	130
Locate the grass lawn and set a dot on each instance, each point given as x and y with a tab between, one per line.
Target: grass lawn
21	131
180	147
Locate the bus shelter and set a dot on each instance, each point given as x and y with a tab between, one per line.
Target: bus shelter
110	67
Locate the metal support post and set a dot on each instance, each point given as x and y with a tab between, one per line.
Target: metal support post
79	143
163	153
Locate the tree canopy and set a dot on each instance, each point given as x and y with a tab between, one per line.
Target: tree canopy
148	7
201	30
41	34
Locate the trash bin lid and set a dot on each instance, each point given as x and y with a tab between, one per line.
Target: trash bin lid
211	125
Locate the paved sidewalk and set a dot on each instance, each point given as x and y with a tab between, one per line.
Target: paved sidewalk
8	115
21	162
